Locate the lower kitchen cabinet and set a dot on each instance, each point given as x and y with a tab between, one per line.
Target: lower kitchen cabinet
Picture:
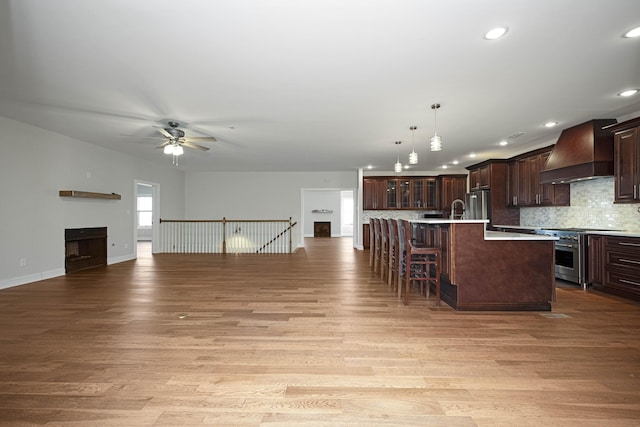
366	238
620	266
595	260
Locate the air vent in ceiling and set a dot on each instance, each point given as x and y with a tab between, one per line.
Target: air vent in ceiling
515	135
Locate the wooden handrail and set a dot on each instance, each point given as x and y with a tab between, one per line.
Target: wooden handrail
291	225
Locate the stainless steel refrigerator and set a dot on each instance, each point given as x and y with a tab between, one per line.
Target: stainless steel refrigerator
478	205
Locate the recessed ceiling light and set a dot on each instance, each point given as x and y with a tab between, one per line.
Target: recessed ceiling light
496	33
444	166
370	167
472	155
503	143
632	33
550	124
629	92
455	162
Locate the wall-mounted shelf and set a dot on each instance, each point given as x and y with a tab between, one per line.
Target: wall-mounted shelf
89	195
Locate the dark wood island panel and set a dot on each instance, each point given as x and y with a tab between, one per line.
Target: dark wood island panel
493	272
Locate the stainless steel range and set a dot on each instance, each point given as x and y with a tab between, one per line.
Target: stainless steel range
571	253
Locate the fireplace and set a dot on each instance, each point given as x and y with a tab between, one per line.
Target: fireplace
321	229
85	248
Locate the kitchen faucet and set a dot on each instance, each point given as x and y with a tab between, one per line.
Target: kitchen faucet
453	212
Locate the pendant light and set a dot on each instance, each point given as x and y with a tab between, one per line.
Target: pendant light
413	156
398	166
436	141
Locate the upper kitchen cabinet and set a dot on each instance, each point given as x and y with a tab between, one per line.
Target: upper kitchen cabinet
626	156
452	187
494	175
416	193
424	193
480	177
374	193
525	187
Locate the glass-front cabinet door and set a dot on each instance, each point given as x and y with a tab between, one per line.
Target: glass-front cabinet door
392	194
404	194
418	193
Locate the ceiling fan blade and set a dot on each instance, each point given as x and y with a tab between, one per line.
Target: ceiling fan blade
142	137
164	144
192	145
164	132
200	138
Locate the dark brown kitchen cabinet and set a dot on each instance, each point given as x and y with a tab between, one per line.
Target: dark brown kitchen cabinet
374	193
452	187
366	237
595	270
424	193
398	194
496	173
626	156
620	266
391	200
480	177
414	193
525	188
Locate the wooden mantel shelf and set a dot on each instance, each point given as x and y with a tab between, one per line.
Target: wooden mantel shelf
89	195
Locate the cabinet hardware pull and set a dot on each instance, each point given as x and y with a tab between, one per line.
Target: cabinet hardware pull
628	244
565	246
629	260
630	282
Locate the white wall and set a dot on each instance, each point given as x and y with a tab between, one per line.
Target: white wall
321	200
257	195
34	166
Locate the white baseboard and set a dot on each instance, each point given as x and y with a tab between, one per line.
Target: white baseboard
122	258
23	280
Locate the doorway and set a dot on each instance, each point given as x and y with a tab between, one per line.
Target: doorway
328	205
147	214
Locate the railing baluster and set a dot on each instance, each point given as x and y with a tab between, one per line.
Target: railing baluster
234	236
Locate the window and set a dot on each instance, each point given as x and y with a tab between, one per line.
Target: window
145	211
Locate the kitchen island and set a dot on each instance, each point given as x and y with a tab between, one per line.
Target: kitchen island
490	270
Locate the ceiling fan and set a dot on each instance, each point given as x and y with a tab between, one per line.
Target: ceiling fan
176	138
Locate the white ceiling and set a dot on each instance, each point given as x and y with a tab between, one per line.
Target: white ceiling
317	85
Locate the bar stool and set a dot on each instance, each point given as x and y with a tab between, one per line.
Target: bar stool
421	264
376	244
384	248
392	277
372	241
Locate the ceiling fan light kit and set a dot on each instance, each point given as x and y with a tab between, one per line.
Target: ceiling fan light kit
176	140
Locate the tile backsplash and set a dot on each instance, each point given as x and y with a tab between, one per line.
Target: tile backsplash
591	207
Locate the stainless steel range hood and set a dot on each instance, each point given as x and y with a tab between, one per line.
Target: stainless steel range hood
582	152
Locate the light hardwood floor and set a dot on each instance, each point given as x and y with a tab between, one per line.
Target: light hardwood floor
309	339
